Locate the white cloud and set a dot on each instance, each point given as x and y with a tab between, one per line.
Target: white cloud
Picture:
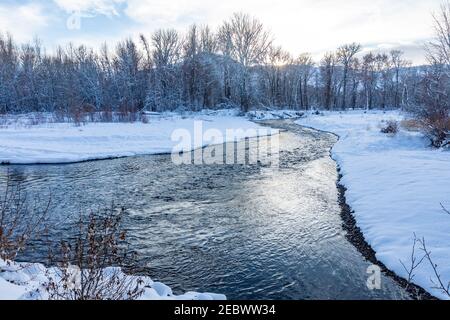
299	26
90	7
23	22
175	12
302	25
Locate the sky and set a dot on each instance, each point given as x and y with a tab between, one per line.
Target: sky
314	26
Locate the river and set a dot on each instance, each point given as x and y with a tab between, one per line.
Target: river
247	231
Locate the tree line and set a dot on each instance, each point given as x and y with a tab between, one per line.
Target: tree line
237	65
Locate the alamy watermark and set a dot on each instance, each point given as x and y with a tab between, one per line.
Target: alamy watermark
374	280
74	20
212	146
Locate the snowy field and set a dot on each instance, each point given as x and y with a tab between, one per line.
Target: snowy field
22	143
396	185
25	281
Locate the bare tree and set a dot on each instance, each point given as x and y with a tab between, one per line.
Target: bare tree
248	43
276	61
345	55
305	65
433	108
327	69
355	78
225	44
369	77
383	68
166	45
166	53
398	64
208	40
147	53
439	49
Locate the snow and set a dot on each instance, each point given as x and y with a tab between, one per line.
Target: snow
274	114
396	185
46	143
26	281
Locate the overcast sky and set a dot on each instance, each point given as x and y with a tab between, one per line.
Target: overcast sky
299	26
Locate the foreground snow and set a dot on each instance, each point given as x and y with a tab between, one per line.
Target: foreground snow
395	186
65	143
26	281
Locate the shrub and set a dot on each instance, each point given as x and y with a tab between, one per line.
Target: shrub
89	265
433	111
436	126
391	127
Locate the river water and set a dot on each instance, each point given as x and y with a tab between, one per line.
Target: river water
247	231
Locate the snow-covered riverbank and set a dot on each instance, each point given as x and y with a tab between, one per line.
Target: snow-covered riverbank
396	185
27	281
65	143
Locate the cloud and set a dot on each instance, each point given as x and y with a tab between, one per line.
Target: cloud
302	25
299	26
178	11
414	51
90	7
23	21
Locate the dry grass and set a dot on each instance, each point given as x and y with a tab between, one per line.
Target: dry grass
411	125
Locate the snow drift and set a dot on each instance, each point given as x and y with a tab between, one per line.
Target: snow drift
27	281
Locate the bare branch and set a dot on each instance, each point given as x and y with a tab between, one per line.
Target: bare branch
414	262
445	209
438	281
